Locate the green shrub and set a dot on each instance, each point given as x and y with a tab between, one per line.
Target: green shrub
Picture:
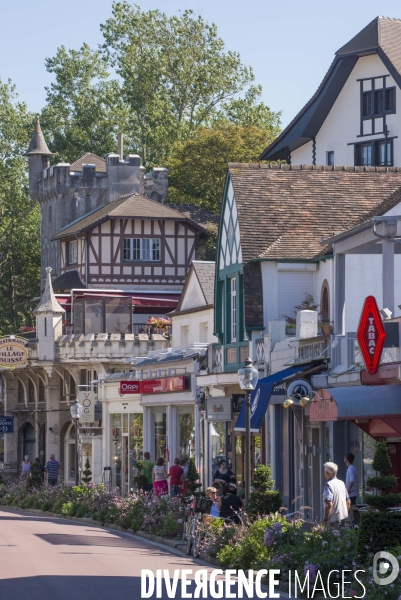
47	505
193	478
384	483
381	460
28	502
378	531
87	474
382	502
66	509
264	500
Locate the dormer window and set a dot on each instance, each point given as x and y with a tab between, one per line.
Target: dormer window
378	100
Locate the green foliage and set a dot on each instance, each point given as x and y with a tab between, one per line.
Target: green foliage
19	216
308	303
381	461
378	531
193	477
382	502
84	108
198	165
87	473
35	480
382	483
264	500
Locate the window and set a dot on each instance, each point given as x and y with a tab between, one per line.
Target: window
330	158
367	104
184	335
390	100
146	249
384	157
365	155
72	252
233	292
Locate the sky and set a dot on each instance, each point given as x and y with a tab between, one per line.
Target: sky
289	45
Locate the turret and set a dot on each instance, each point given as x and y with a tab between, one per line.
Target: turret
38	159
49	322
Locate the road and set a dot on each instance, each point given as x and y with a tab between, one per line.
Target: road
45	558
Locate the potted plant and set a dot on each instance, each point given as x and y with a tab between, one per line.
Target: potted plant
326	326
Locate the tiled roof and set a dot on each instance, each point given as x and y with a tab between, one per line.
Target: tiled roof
89	159
133	206
199	215
285	211
205	272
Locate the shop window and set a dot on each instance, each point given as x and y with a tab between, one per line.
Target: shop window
116	449
187	435
160	435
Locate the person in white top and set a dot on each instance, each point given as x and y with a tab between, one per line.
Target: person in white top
351	479
335	497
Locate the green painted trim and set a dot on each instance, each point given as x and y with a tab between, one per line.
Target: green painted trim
324	257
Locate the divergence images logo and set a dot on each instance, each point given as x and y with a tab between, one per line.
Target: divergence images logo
383	568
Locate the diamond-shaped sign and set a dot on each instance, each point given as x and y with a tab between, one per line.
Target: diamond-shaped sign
371	334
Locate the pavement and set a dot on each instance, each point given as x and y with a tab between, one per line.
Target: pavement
45	558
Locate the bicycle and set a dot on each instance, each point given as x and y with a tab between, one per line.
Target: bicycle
201	506
188	516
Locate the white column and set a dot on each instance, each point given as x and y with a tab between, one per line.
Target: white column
172	433
388	274
148	433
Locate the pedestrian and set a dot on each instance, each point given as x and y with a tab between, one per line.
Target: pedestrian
336	501
351	479
41	468
176	478
160	478
26	467
52	469
147	472
223	474
230	504
211	493
185	481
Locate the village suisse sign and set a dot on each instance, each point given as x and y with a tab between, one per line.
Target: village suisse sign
371	334
13	352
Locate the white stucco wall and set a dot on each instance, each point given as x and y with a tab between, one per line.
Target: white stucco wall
193	294
342	125
200	328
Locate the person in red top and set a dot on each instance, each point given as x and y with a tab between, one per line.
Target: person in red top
176	474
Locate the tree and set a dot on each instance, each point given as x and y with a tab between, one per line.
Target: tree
193	478
176	75
87	474
19	215
308	303
198	165
84	110
264	499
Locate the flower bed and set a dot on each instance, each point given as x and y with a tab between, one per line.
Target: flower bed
268	542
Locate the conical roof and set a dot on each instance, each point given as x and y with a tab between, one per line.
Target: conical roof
48	302
37	145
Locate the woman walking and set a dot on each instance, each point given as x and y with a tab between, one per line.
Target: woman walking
160	478
26	467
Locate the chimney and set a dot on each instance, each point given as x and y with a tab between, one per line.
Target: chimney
124	175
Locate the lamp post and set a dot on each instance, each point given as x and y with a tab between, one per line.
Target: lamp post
248	379
76	411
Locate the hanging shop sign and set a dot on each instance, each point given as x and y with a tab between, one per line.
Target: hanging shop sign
7	424
371	334
87	401
13	352
302	387
218	409
153	386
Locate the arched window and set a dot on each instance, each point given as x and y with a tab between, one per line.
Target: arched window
325	302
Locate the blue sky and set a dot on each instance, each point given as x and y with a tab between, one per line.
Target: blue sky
290	45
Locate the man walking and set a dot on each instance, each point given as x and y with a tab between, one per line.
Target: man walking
147	471
351	479
52	469
176	478
335	497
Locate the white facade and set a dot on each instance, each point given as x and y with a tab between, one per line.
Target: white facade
341	128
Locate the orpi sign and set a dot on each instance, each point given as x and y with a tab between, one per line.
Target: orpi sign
371	334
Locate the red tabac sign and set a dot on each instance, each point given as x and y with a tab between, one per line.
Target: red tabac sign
371	334
153	386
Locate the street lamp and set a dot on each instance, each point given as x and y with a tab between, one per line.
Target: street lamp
248	379
76	411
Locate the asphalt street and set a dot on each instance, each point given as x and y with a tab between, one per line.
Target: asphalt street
45	558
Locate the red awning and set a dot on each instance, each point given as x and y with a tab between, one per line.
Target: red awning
64	301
